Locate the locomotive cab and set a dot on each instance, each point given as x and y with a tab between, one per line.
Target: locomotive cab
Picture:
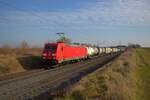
49	53
53	53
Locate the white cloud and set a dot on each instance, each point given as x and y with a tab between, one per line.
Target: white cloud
95	15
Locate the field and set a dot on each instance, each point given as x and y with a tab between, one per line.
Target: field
13	60
143	75
126	78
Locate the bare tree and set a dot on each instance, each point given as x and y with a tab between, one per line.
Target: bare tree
24	45
5	49
6	46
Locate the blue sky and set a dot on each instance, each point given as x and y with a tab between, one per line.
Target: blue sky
89	21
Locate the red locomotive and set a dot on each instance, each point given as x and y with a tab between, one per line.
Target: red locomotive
59	52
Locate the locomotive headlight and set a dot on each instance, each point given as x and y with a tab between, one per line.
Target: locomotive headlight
44	54
53	54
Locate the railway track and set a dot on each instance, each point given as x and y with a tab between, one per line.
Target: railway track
41	83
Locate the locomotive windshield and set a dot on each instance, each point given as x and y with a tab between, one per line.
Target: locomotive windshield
52	48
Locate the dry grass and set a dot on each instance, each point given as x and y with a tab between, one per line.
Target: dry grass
127	78
111	83
13	60
9	64
20	51
141	75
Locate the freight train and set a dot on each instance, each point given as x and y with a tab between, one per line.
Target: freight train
56	53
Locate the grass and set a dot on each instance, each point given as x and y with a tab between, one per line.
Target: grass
9	64
20	51
13	60
127	78
142	72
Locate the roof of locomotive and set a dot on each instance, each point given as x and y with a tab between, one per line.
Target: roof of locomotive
67	44
53	43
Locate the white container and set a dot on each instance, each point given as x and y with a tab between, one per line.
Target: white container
100	50
90	51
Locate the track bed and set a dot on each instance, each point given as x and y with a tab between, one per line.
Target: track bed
42	84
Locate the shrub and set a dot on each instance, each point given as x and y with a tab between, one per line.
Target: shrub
77	95
125	63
